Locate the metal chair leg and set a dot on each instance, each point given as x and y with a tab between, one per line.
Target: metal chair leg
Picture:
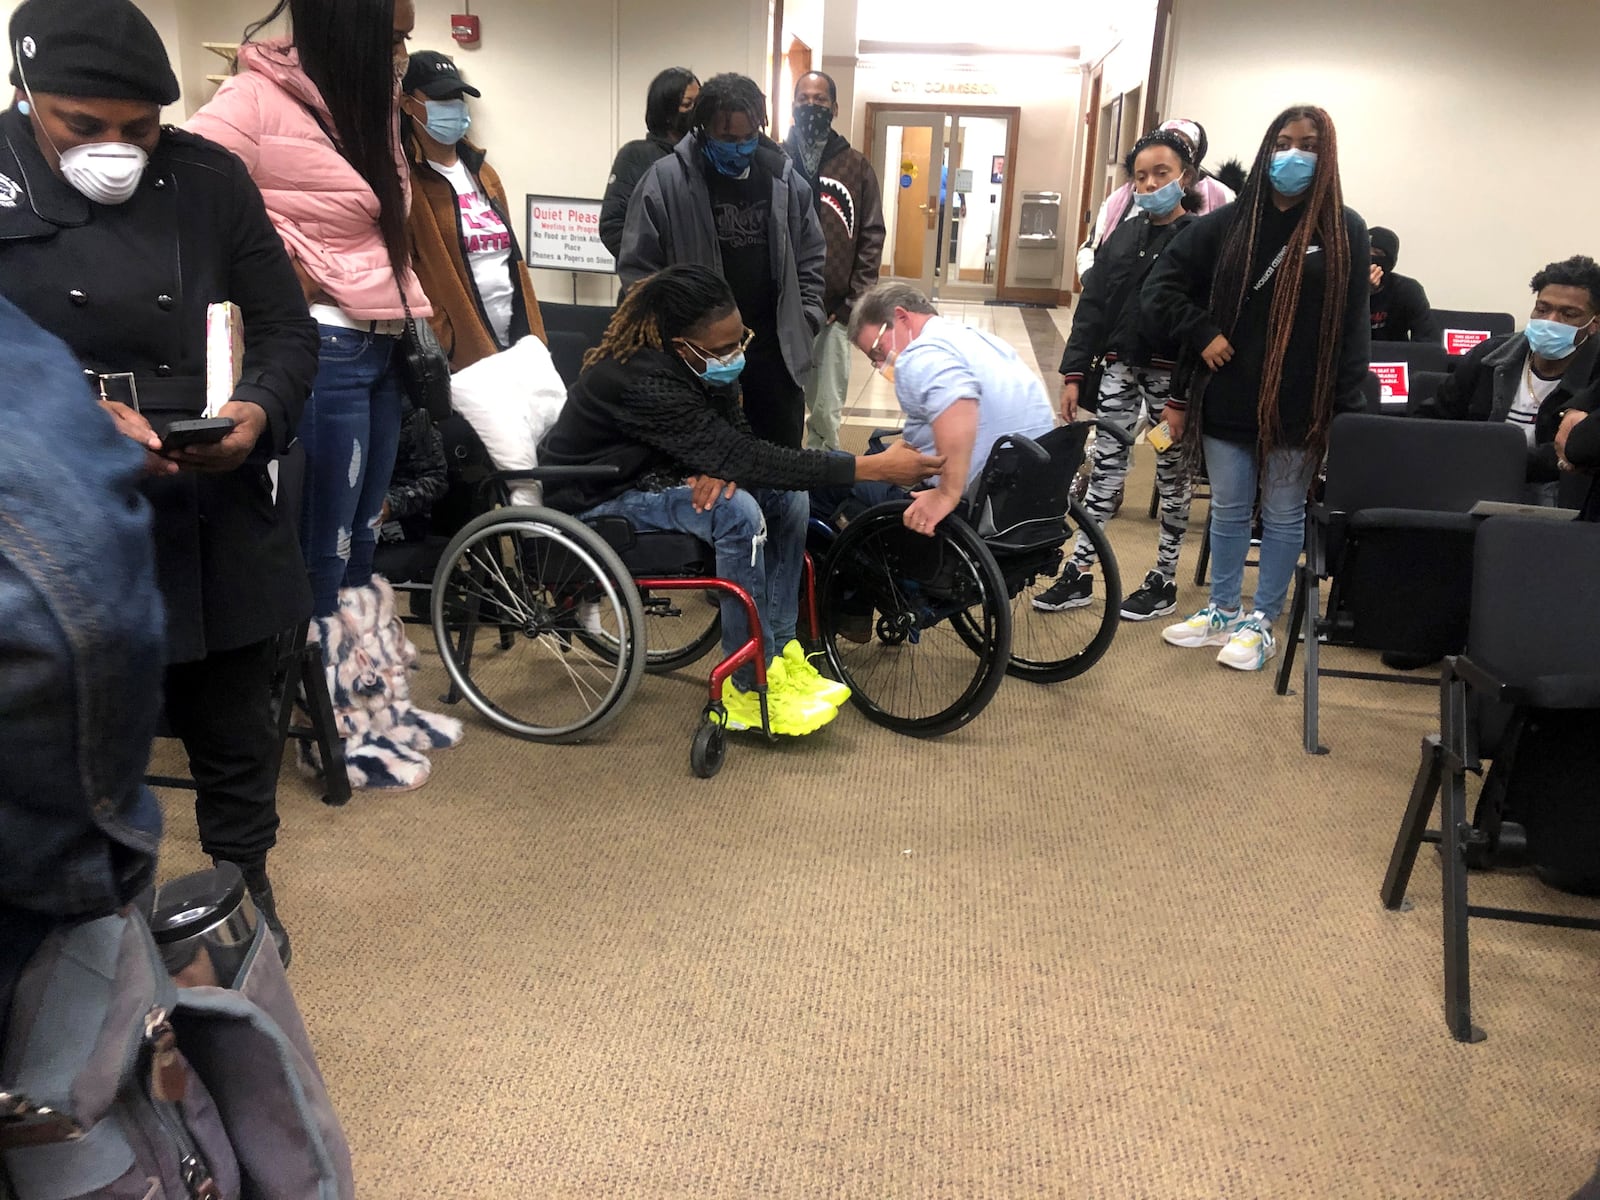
1312	658
324	726
1204	560
469	641
1455	833
1409	840
1296	612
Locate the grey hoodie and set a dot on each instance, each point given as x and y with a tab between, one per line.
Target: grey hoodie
669	223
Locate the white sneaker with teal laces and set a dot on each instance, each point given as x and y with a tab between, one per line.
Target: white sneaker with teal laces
1251	645
1208	627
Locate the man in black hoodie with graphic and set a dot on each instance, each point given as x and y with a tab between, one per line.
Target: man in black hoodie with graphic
849	202
1400	308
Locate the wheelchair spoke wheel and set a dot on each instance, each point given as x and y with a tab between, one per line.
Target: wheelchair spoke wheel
1048	647
680	628
513	597
890	603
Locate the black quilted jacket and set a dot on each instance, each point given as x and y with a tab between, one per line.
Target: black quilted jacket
658	423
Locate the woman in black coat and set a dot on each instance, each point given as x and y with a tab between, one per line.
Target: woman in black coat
1134	375
121	264
668	109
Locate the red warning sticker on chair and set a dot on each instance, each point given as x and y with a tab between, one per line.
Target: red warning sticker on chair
1459	341
1394	380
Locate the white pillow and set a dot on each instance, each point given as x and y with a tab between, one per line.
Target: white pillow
511	399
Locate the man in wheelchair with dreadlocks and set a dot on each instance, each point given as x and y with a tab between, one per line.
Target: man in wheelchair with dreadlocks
658	403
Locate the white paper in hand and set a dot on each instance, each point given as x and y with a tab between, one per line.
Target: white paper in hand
224	354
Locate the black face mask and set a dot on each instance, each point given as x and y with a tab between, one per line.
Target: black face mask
813	121
681	125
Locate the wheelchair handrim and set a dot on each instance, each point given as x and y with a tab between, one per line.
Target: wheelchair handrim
605	702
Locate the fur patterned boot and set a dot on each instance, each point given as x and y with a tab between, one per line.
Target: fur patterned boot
375	759
396	658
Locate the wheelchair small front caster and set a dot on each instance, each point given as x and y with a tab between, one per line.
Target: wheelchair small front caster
709	749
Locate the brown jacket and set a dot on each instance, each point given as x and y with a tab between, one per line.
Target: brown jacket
458	316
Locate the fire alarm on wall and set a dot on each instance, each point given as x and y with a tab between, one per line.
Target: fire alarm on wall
466	29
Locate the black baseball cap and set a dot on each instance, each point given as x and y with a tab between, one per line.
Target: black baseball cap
436	76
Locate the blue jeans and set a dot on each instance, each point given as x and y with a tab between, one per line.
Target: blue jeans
1233	471
351	432
760	541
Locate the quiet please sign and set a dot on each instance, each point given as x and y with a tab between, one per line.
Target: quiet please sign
564	235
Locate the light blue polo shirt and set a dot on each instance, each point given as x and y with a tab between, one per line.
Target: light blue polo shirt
949	362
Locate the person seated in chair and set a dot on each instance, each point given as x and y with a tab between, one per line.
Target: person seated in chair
419	481
658	400
1399	305
1577	444
961	391
1537	378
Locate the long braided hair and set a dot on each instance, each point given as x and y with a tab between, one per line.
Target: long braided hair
1321	220
669	304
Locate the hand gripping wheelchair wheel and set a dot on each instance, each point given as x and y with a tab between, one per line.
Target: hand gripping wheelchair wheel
934	614
518	596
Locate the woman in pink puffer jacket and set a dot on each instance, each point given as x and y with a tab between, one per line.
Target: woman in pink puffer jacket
314	117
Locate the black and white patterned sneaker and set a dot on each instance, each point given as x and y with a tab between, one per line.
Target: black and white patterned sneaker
1156	597
1073	590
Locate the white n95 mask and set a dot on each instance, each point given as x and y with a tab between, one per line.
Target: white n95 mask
105	172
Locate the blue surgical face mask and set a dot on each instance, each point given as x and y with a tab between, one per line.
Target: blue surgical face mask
1292	170
448	121
731	158
1551	339
1161	201
719	372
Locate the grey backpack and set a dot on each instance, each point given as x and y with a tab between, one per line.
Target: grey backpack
117	1085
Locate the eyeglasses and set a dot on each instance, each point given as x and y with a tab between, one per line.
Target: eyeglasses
873	356
744	344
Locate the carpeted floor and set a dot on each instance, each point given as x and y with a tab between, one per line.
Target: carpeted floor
1118	938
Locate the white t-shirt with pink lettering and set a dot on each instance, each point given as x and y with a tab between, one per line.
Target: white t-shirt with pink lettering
486	245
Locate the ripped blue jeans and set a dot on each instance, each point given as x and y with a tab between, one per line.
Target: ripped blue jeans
760	541
351	434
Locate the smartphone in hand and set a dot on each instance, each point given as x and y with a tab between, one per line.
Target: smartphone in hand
207	431
1160	437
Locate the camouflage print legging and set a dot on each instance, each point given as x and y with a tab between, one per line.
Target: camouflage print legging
1124	393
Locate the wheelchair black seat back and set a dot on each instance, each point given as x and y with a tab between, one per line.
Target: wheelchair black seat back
924	629
1022	507
1024	488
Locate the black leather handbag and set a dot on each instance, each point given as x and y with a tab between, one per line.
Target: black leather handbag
424	367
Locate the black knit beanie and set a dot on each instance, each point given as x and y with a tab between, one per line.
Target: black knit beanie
98	49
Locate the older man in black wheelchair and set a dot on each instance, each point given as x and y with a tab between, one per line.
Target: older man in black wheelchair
925	596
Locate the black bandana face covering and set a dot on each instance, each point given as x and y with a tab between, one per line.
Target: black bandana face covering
814	121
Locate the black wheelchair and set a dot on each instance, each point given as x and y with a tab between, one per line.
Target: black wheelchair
923	630
546	623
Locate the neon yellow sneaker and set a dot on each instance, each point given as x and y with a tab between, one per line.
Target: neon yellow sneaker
804	677
792	713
